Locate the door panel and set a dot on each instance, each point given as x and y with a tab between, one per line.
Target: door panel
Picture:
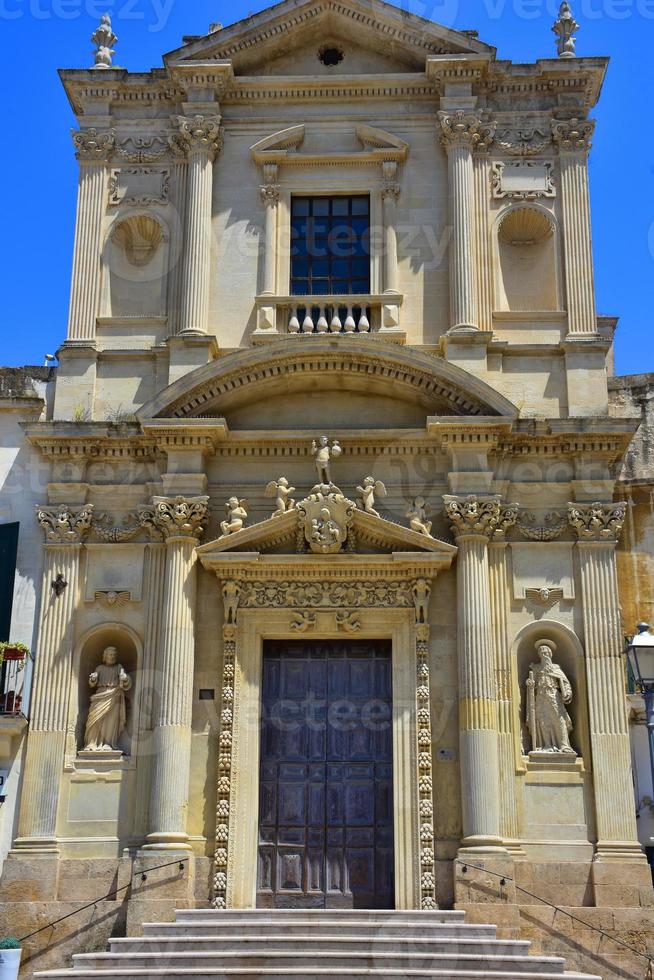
326	776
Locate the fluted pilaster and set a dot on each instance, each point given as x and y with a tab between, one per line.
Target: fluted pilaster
155	585
504	682
181	521
461	133
65	529
481	163
93	150
598	528
202	137
178	201
573	139
474	521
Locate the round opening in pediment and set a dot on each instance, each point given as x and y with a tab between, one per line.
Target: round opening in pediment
330	55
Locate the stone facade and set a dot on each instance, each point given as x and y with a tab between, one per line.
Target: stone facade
468	389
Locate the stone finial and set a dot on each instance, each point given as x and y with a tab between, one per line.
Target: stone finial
564	28
104	39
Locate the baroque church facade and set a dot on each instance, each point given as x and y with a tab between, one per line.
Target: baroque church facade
328	603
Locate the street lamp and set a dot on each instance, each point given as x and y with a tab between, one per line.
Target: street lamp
640	651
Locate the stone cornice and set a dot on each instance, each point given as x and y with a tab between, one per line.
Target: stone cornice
91	440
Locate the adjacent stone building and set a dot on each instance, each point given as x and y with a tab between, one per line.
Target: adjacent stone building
330	432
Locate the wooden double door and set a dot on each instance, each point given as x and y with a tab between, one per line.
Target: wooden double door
326	776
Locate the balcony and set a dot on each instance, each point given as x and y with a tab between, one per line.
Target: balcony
12	693
348	315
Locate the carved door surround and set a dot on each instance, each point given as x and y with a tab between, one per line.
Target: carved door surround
324	597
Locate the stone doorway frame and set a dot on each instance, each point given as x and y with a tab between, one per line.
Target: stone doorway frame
277	597
257	626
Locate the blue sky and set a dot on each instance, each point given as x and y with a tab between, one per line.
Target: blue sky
40	172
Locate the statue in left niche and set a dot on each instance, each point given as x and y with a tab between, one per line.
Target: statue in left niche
107	716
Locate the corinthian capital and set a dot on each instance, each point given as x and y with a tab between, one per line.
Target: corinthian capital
466	129
270	194
597	522
64	524
93	145
200	133
573	135
174	517
479	516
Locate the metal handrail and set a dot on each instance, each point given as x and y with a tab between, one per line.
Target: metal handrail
180	862
504	878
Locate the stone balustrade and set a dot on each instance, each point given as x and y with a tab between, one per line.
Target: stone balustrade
347	314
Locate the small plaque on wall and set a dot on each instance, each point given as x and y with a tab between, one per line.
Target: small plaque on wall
523	180
139	186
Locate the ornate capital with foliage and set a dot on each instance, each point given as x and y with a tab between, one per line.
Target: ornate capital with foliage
65	525
270	195
597	521
466	129
201	134
573	135
479	516
93	145
175	517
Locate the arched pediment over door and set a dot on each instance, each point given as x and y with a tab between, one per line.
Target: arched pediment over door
305	383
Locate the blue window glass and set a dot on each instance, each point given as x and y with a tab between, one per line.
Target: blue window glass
330	250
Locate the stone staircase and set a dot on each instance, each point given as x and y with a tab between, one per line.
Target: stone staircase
316	944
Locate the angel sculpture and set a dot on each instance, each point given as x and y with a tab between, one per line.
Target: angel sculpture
282	493
237	513
370	488
418	513
324	453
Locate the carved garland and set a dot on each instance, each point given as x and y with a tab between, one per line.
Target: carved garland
425	774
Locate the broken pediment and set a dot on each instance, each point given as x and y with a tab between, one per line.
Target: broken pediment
294	147
290	37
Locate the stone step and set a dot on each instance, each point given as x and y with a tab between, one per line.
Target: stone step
229	962
220	927
426	945
303	974
321	915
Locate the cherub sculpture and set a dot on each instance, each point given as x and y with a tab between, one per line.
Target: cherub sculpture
282	493
237	513
368	491
324	454
418	513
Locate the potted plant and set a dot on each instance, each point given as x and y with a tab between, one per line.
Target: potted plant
14	651
9	958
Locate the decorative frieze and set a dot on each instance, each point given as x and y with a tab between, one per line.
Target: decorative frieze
64	524
142	149
325	594
105	528
597	521
523	139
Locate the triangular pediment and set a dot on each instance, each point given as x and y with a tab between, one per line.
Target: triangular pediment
369	533
377	37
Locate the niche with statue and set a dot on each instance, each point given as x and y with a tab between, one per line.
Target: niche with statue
106	693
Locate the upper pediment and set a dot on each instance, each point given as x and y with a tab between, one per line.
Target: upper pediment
286	39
